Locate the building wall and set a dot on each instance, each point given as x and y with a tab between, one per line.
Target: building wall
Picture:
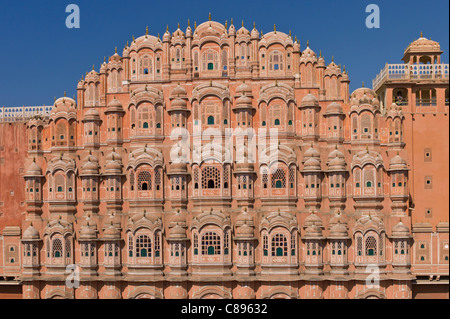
99	179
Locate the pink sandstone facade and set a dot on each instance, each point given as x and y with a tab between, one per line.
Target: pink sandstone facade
120	183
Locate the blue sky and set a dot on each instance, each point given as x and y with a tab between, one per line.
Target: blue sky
41	58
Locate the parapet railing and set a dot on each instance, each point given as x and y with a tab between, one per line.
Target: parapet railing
411	72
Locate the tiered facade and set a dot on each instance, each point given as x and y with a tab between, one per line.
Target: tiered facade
165	178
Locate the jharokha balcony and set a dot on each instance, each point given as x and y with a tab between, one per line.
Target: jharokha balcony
406	72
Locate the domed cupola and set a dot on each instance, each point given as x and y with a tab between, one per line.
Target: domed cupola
336	163
33	170
88	230
90	166
166	36
178	99
400	231
309	101
232	29
244	89
103	68
308	55
177	227
254	35
313	227
334	108
31	234
243	33
114	106
113	163
91	115
397	163
178	35
189	30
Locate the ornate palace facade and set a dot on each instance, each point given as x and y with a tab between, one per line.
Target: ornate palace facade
139	182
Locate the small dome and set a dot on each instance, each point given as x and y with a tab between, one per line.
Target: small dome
400	230
177	232
113	167
309	100
245	231
177	104
312	152
242	32
312	164
312	219
244	100
337	164
397	163
111	232
338	231
90	167
166	36
244	88
34	169
244	217
254	34
114	105
91	115
313	231
178	218
334	108
88	231
31	233
178	91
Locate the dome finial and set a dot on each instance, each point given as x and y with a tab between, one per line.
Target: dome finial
134	40
362	83
195	25
210	16
307	43
167	28
189	23
116	50
254	25
178	25
146	30
275	28
332	59
65	94
421	34
290	33
226	24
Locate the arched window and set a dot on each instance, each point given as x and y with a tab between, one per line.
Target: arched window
265	245
143	246
211	178
144	181
371	246
279	246
211	244
279	178
145	125
275	61
211	120
277	122
57	248
210	66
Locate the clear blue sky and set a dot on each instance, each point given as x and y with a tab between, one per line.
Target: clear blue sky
41	58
